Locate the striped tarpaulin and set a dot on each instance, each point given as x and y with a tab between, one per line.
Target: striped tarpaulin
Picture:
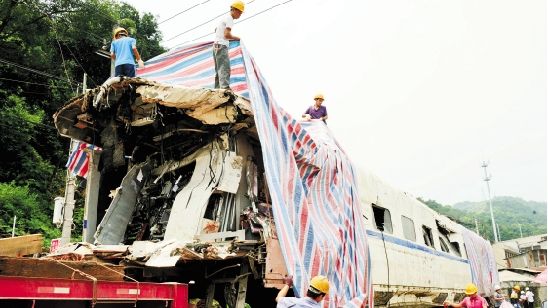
78	162
311	180
482	262
193	66
315	199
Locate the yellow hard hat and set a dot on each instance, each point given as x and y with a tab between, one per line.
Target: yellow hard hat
118	30
319	95
470	289
239	5
517	287
319	284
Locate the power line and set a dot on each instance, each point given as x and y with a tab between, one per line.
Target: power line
35	71
202	24
247	18
183	11
35	83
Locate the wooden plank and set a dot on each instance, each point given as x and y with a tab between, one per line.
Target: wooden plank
21	245
32	267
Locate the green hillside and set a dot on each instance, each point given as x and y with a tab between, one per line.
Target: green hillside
510	213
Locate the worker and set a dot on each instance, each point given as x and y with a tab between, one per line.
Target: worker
223	33
530	298
316	111
514	296
498	297
123	50
317	290
472	299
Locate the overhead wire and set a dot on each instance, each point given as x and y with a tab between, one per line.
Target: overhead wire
63	58
34	83
240	21
183	11
4	61
203	23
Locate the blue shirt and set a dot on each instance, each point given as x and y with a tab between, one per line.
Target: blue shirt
297	302
123	49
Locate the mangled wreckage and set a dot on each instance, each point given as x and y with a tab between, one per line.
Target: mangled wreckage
222	188
181	181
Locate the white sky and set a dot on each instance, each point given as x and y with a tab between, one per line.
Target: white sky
420	92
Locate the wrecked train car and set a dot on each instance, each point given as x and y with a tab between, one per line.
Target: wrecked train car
179	165
192	180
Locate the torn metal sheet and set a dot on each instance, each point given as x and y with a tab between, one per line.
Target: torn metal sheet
112	228
232	173
191	201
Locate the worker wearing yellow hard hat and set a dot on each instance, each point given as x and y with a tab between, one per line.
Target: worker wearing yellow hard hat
472	299
316	111
123	50
514	296
223	34
318	288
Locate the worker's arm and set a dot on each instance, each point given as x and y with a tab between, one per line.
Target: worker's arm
324	118
452	305
229	36
288	280
112	56
282	293
138	57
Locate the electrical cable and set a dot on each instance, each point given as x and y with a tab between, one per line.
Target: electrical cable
35	83
245	19
183	11
202	24
63	59
36	71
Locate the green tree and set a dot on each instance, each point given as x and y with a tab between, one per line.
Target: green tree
45	48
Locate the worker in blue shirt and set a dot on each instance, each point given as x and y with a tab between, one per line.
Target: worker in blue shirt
123	51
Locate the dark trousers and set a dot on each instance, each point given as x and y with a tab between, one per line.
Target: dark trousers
127	70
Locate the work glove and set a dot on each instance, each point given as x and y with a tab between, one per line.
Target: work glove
288	280
141	63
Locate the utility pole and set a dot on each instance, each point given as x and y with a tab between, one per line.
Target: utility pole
498	232
70	188
487	179
477	227
520	233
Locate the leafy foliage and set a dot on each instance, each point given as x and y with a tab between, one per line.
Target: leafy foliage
510	213
45	48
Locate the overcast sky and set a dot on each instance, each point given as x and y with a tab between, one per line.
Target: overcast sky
419	92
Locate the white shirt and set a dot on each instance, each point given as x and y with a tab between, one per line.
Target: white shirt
530	296
226	22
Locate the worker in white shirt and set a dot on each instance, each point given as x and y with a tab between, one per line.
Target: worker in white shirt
223	33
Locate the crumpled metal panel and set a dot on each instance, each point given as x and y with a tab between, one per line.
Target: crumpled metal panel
208	106
112	228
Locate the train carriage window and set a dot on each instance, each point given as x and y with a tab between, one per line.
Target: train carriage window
456	248
443	244
383	221
427	236
408	228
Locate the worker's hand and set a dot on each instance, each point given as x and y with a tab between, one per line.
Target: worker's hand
288	280
141	63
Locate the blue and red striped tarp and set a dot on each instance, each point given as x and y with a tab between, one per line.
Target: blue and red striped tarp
193	66
311	179
78	162
483	266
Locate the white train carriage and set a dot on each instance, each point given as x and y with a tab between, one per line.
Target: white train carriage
418	256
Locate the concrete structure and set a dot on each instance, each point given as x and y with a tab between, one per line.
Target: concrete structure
526	252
